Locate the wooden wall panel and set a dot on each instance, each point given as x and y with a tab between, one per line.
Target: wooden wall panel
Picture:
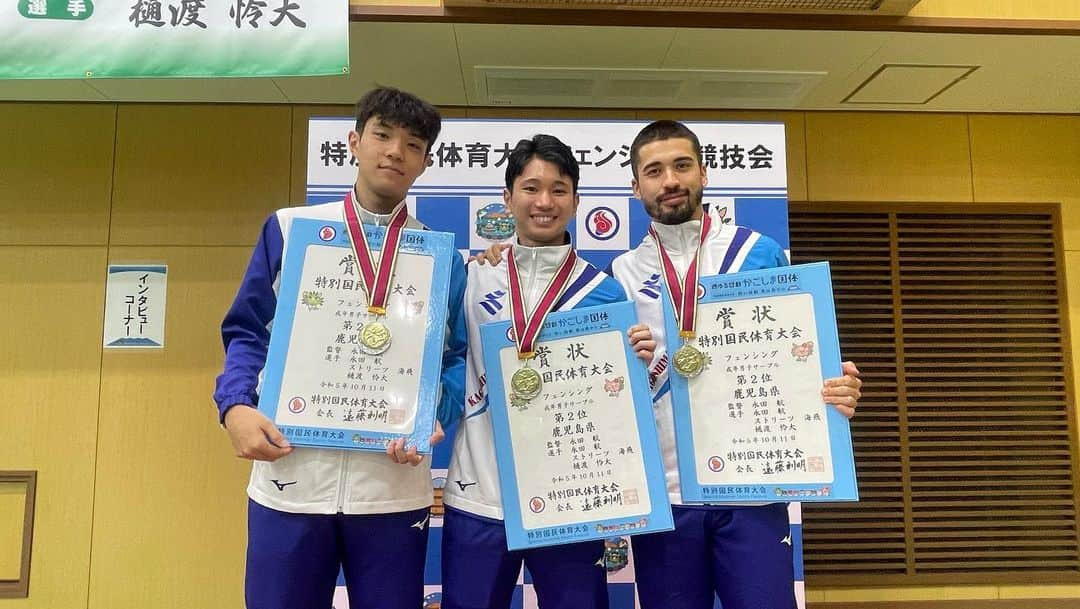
1042	592
1029	158
198	174
1072	316
997	9
12	514
887	157
170	500
53	300
299	146
56	180
921	593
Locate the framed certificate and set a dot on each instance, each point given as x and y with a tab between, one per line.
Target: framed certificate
320	387
752	425
580	460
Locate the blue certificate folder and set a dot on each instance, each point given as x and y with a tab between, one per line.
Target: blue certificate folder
752	426
581	460
318	387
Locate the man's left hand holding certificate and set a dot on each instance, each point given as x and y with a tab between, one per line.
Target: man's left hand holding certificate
345	369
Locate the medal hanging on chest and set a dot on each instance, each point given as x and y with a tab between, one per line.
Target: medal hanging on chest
526	382
688	360
375	337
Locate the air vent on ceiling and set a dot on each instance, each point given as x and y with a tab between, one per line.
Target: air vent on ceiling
835	7
630	88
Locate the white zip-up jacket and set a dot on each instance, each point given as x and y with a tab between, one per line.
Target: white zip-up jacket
472	483
319	480
728	249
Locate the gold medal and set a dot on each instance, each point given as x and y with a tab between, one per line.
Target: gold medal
374	338
689	361
526	383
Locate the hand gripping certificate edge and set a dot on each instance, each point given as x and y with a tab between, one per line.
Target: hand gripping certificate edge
814	279
494	338
306	232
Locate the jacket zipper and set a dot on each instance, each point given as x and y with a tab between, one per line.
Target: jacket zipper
342	475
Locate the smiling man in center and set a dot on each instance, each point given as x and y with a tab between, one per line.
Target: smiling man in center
478	571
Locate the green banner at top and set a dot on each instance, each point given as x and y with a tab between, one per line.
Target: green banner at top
177	38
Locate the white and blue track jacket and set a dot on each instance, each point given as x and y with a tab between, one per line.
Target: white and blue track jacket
728	249
317	480
472	483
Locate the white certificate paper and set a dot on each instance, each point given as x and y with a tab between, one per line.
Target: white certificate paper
753	426
320	387
580	460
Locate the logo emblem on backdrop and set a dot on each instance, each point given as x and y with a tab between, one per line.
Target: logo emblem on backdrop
721	214
494	222
602	223
433	601
327	233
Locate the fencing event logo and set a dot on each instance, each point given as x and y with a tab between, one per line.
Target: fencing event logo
602	223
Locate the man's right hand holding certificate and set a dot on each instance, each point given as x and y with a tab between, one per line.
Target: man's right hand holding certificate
843	392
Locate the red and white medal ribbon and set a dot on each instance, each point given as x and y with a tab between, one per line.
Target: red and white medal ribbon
683	290
376	278
527	326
